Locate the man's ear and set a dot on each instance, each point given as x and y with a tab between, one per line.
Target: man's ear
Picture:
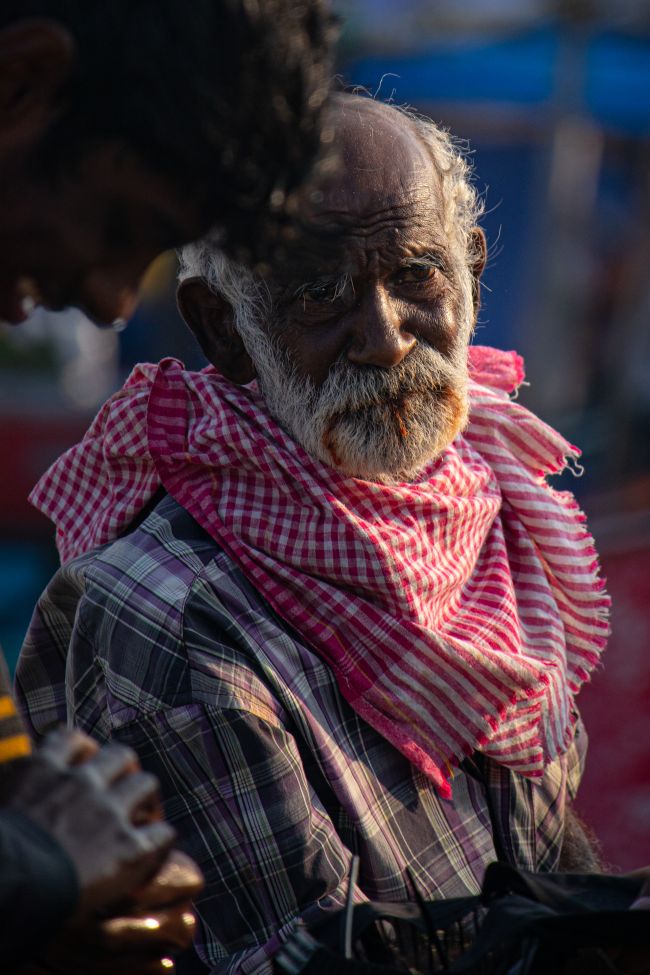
36	56
477	260
211	319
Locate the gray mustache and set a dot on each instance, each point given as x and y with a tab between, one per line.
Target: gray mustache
423	372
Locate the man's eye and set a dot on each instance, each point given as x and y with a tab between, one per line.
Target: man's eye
416	273
324	292
320	294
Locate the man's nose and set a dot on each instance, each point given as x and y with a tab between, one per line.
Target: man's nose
106	298
379	336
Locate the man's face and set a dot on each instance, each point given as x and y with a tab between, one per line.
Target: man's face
364	358
86	238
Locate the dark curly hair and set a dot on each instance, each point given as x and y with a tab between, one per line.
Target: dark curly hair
223	97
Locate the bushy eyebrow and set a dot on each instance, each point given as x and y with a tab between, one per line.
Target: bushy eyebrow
428	259
337	282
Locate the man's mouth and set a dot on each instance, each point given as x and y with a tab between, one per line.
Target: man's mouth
389	409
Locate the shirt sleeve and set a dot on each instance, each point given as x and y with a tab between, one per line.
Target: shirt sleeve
236	791
40	672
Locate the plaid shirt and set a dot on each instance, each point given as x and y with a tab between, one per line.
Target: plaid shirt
270	778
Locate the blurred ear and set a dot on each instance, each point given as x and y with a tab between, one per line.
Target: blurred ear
211	319
478	252
36	57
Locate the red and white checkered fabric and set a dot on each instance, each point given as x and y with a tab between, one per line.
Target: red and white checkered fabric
460	611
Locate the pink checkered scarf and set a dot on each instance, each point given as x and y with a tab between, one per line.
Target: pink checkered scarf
461	611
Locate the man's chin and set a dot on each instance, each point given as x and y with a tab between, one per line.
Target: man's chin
391	445
367	470
371	469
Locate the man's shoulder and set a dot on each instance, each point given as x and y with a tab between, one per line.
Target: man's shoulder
156	563
143	580
159	619
165	610
167	544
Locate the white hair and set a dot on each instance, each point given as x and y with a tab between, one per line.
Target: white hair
463	205
245	293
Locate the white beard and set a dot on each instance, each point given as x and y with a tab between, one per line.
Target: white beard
375	424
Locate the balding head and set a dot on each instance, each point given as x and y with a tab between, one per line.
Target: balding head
370	139
395	146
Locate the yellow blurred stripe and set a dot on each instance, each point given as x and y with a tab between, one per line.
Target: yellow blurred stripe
7	707
15	747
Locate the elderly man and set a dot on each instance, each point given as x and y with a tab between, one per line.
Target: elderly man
350	617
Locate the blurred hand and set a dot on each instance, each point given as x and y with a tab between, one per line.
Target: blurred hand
141	939
101	808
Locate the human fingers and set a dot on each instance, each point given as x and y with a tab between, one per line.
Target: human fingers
156	838
179	879
155	933
64	747
91	959
128	945
139	796
125	858
110	763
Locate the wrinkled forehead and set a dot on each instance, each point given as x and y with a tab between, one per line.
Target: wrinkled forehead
383	168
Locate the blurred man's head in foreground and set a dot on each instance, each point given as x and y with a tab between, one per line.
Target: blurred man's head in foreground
129	127
359	342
